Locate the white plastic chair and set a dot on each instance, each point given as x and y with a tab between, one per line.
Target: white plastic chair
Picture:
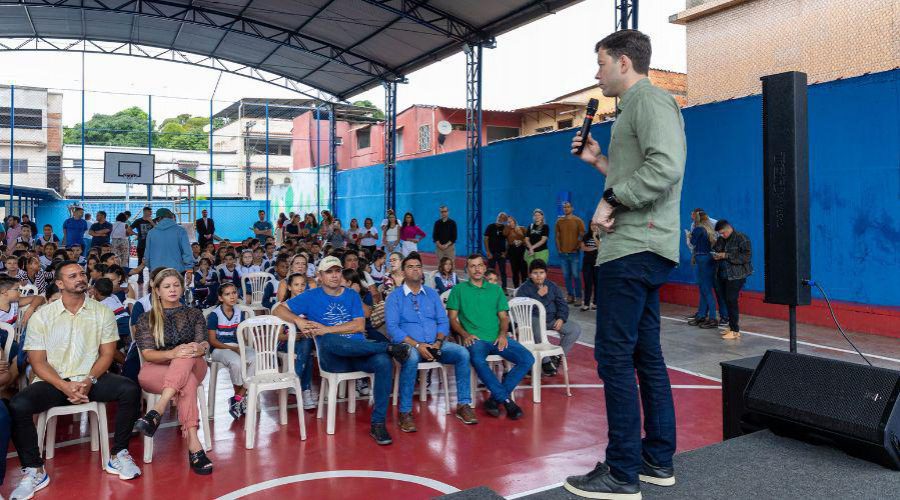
521	310
261	333
445	296
28	290
257	283
10	338
215	366
424	368
129	303
330	383
46	428
150	400
429	279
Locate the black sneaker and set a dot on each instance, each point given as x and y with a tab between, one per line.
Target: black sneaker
723	322
653	474
399	352
548	369
599	483
709	324
513	412
380	434
696	321
234	408
148	424
492	408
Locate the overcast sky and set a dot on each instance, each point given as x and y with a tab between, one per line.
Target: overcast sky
540	61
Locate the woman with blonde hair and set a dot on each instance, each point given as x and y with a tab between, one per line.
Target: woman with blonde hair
173	340
702	239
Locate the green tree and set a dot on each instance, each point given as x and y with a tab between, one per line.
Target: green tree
377	113
129	128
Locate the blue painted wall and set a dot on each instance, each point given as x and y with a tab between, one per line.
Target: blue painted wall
854	134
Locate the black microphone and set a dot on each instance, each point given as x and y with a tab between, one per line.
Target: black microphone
586	126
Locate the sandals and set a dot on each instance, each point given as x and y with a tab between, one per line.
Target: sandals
200	463
148	424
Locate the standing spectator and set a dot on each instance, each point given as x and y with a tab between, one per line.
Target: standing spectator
369	238
167	244
206	229
70	347
516	247
538	234
495	243
279	227
119	239
444	235
336	237
590	245
569	229
310	225
732	251
387	216
292	228
478	314
13	231
539	288
141	227
74	228
703	236
410	235
262	227
354	232
88	240
100	230
26	221
391	232
48	236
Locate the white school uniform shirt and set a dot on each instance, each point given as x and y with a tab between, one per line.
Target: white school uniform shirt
10	317
115	305
245	270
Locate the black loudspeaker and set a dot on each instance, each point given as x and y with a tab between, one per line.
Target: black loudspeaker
786	188
851	406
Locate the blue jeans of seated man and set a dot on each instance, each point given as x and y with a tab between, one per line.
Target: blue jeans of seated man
628	340
571	273
451	354
303	356
514	353
5	424
341	355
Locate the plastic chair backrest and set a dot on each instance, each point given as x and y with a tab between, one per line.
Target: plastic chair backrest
20	323
429	279
521	311
28	290
261	333
445	296
257	282
10	337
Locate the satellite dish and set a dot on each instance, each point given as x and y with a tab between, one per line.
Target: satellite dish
444	127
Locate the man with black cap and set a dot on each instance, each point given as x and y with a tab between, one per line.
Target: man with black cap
168	245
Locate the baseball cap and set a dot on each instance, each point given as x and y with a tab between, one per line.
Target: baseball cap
329	262
163	213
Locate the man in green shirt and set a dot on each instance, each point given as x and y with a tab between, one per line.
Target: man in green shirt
639	211
478	314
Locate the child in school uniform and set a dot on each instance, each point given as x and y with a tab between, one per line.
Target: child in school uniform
222	324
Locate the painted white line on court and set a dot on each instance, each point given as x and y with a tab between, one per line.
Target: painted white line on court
600	386
369	474
801	342
532	492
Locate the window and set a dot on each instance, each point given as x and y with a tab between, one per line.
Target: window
500	133
259	185
277	146
459	126
77	163
25	117
364	138
564	124
424	137
287	180
541	130
398	142
19	166
218	176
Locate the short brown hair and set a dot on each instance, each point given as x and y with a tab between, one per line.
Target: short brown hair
631	43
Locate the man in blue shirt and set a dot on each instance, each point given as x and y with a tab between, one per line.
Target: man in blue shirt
262	227
333	316
74	228
415	315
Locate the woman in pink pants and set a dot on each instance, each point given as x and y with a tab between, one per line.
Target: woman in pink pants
173	341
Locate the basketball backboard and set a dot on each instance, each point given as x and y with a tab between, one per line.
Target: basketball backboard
128	168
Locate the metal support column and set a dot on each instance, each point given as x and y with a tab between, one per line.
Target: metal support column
332	163
210	158
318	167
12	144
626	14
473	144
150	144
268	205
390	145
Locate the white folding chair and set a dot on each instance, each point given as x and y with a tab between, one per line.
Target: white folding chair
257	287
261	333
46	428
423	369
150	400
215	366
521	310
28	290
330	383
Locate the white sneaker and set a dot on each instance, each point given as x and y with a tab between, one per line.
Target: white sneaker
309	402
123	465
31	481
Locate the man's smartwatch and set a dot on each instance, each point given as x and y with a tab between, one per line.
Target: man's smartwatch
93	379
610	198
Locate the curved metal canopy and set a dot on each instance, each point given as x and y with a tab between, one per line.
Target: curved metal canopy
341	47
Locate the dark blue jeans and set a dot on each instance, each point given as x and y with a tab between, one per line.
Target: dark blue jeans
514	353
5	423
628	340
571	275
338	354
706	277
302	365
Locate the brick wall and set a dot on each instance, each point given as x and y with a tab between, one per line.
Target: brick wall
54	132
729	50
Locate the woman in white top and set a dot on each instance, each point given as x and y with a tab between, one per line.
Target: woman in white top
354	233
119	239
391	234
369	237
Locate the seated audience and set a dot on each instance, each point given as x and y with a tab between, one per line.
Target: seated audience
445	278
222	324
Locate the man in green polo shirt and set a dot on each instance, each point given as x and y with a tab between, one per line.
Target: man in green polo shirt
478	314
639	209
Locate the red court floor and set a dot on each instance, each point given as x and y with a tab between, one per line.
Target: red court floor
560	436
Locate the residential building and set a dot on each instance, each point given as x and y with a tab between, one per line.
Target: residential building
568	110
37	136
732	43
